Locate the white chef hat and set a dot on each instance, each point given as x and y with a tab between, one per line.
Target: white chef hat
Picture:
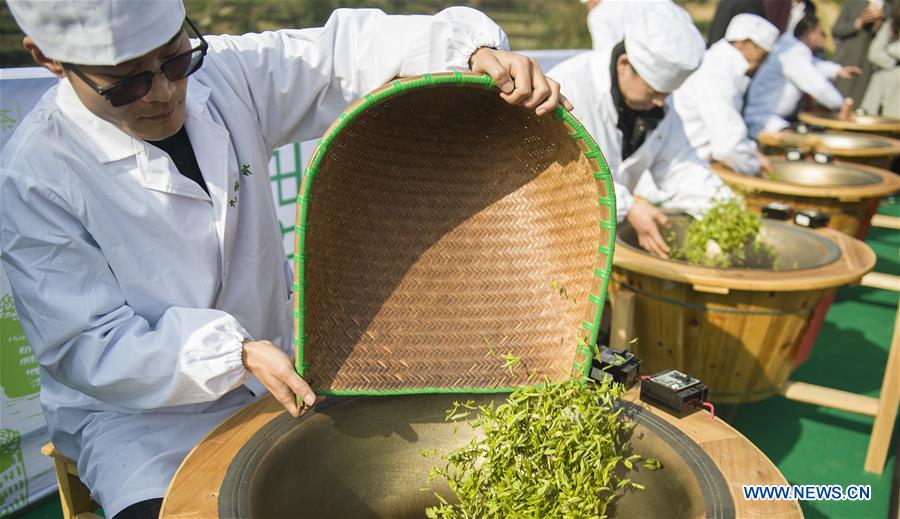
754	28
663	46
98	32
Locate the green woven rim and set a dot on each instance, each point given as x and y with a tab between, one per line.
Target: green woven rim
398	87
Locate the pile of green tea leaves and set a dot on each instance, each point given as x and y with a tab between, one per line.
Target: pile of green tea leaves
720	238
549	451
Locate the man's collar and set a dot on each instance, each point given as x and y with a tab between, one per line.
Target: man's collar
108	141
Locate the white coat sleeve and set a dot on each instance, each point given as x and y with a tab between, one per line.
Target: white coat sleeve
624	201
681	173
299	81
878	49
729	142
829	69
80	326
809	79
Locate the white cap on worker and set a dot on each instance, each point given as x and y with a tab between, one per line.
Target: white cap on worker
754	28
98	32
663	46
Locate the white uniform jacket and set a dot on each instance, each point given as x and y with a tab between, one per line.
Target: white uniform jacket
666	153
710	102
136	288
788	72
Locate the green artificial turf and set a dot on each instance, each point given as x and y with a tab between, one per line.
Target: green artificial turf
816	445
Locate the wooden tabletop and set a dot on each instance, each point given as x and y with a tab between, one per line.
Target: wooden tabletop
890	183
855	261
194	491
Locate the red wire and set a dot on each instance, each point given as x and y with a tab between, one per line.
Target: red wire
712	410
645	377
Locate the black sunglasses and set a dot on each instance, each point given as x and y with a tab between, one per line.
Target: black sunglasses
137	86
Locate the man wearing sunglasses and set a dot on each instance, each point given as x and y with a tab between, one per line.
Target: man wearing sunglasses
137	223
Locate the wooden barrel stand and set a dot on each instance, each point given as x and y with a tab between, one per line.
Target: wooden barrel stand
850	207
196	490
740	331
868	124
869	150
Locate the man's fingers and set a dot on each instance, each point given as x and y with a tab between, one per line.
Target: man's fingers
662	246
552	101
764	164
659	245
651	246
655	240
656	247
520	69
285	397
520	79
540	88
299	387
487	63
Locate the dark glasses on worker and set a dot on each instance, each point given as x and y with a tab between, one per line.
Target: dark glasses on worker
137	86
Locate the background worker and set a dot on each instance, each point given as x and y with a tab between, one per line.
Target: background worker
853	33
711	100
792	70
620	97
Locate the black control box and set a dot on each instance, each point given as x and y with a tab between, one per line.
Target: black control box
811	218
622	366
674	391
777	211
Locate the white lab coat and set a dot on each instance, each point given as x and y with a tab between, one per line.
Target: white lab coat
606	21
666	153
788	72
135	288
710	102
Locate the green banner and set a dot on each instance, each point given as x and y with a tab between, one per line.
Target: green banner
13	480
18	367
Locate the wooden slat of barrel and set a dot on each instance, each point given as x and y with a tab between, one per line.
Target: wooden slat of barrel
194	490
741	340
741	344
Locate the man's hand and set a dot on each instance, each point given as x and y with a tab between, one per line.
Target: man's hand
765	165
276	371
869	15
848	72
520	79
846	111
645	218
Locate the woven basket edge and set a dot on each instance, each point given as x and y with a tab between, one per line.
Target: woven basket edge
576	131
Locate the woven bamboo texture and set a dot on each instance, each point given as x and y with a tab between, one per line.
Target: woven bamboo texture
450	242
